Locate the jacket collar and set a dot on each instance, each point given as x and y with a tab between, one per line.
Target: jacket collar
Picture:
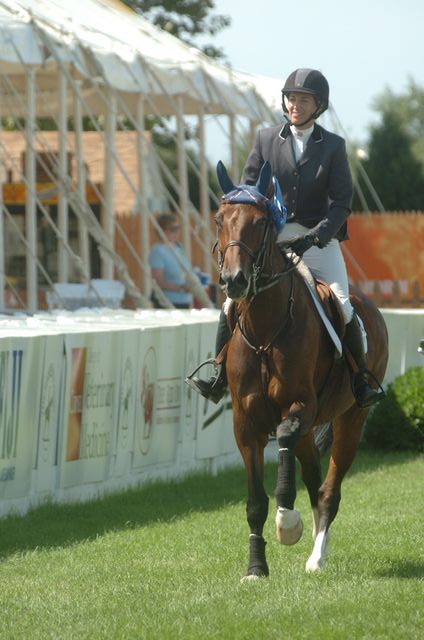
316	134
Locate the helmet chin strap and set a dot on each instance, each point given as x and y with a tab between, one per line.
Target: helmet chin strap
313	116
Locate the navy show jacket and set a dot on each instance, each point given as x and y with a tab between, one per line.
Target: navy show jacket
318	189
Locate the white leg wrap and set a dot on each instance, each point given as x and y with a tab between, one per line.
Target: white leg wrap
289	526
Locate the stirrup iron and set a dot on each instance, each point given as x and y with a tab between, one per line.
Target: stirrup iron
212	361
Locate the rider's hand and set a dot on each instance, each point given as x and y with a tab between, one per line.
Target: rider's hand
300	244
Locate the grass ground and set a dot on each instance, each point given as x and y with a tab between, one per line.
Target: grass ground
165	562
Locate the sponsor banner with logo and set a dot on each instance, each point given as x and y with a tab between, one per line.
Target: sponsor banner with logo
90	407
21	360
190	398
159	395
214	421
127	399
50	416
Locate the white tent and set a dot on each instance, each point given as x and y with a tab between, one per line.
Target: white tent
97	58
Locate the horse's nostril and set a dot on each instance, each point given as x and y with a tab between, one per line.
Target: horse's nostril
240	280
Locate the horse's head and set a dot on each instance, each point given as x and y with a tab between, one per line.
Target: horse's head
247	224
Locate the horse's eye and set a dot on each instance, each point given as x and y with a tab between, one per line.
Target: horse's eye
218	222
260	222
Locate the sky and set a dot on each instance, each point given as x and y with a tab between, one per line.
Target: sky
361	46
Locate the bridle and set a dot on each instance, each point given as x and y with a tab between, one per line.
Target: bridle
260	281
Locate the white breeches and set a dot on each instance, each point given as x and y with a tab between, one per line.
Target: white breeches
327	264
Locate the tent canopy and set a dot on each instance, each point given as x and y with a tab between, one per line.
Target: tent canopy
103	41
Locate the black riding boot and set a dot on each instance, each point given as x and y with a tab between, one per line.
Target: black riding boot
214	388
364	394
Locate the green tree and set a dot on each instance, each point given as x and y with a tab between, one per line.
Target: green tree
393	168
185	19
408	108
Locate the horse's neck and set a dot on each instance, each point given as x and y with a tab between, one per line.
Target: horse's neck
268	309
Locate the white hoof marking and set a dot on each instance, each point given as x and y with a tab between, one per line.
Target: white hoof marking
313	566
252	578
315	562
289	526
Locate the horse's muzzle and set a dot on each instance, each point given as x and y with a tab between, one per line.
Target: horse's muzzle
235	286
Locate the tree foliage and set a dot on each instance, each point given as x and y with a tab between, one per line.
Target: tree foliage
393	168
408	108
185	19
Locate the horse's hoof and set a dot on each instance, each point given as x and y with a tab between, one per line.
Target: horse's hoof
314	565
252	578
289	526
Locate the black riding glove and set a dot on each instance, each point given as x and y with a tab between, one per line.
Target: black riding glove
300	244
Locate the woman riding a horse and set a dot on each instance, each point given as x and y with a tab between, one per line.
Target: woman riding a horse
312	169
280	363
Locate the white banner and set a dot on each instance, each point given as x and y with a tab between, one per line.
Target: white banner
214	421
127	400
189	413
406	329
21	361
159	394
90	407
50	415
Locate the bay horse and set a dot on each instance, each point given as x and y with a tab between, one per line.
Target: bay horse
283	375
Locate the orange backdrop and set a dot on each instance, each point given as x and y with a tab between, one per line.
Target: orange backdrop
384	248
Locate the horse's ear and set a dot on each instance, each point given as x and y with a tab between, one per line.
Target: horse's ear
262	184
223	178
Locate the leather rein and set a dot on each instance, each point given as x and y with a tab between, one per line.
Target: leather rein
261	281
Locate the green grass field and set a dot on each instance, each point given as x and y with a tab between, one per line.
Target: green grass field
165	562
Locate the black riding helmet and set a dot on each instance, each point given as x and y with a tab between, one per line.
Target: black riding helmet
308	81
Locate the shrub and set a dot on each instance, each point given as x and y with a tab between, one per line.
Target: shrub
397	423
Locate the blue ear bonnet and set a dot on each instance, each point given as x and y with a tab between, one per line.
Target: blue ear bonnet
253	194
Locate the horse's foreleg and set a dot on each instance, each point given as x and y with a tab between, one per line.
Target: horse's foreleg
289	526
256	511
308	455
347	432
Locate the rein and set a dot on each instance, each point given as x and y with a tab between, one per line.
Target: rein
261	281
263	350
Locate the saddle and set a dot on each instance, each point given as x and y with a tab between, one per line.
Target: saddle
331	306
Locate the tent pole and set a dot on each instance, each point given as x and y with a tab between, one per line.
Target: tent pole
204	189
30	205
81	179
253	126
2	245
108	212
233	149
62	206
143	203
182	176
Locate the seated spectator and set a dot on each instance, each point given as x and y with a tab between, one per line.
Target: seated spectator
166	266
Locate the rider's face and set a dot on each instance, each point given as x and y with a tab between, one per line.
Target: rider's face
300	107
